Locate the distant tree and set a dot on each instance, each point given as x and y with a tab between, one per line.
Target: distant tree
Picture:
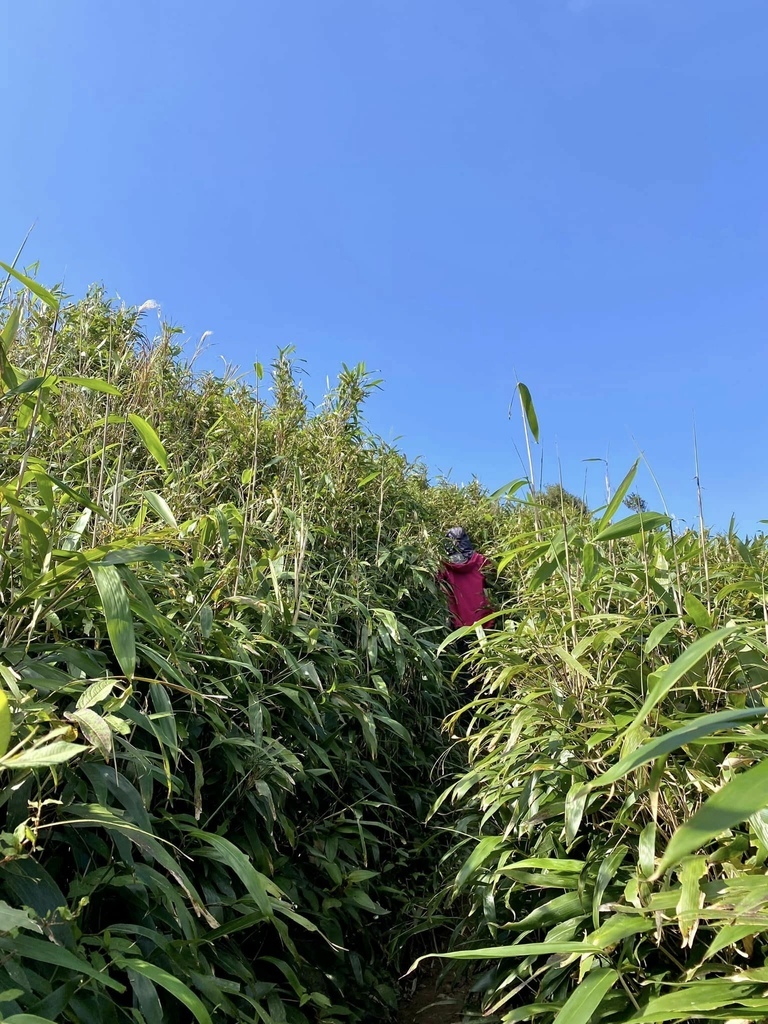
555	496
636	502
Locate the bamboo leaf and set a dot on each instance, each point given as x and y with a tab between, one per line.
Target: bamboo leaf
159	506
705	725
152	442
45	952
590	993
44	756
658	633
94	728
170	983
667	677
114	602
37	289
530	413
615	503
93	384
5	724
739	799
640	522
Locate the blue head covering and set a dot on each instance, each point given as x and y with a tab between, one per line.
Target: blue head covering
458	546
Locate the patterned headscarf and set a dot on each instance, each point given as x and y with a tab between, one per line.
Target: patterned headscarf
458	546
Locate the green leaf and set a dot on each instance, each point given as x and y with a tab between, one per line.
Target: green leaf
171	984
586	998
691	897
117	611
575	801
640	522
258	885
12	919
37	289
658	633
5	724
618	927
660	746
743	796
94	728
519	949
25	388
27	1018
45	952
152	442
615	503
607	870
693	1000
93	384
159	506
44	756
698	613
530	413
663	680
484	850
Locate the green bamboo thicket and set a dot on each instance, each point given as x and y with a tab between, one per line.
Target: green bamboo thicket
240	776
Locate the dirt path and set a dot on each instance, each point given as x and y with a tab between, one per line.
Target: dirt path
433	1003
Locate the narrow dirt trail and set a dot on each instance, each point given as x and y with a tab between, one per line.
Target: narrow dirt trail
434	1003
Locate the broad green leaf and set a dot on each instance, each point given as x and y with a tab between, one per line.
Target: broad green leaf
92	384
587	997
567	907
482	852
171	984
618	927
743	796
697	612
37	289
730	935
117	611
575	803
691	897
258	885
607	870
530	413
5	724
25	388
44	755
658	633
693	1000
96	693
152	442
45	952
27	1018
12	918
159	506
640	522
660	746
94	728
519	949
663	680
646	850
615	503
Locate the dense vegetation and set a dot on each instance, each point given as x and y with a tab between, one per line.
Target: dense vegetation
226	791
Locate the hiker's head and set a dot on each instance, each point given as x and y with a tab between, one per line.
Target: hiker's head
458	546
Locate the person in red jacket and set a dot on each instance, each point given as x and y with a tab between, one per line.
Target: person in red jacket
463	581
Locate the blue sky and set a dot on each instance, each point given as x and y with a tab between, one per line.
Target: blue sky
454	192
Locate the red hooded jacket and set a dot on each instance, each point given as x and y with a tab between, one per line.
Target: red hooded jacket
464	584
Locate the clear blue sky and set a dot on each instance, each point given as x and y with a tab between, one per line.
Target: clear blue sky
451	191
